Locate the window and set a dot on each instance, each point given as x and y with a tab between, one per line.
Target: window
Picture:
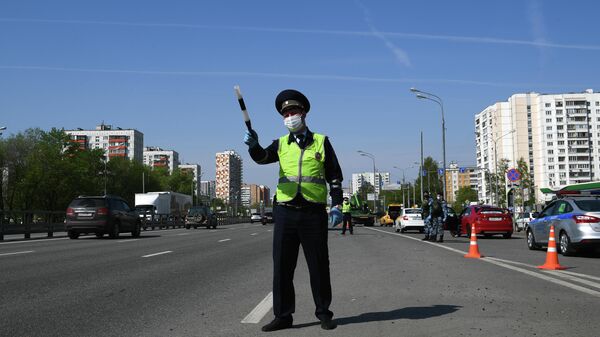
550	151
551	167
549	128
560	135
549	144
558	111
597	104
547	105
548	136
551	160
561	142
559	127
548	113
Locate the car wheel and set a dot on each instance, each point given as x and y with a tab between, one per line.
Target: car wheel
114	233
73	235
99	235
397	230
531	241
137	230
188	226
402	230
507	235
565	246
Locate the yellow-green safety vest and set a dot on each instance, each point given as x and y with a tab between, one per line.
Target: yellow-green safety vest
346	207
302	170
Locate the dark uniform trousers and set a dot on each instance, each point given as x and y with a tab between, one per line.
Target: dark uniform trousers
295	226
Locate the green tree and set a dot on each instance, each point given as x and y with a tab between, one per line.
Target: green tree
464	195
499	182
431	181
526	195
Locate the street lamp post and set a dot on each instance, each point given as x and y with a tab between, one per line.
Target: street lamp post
105	160
367	154
429	96
496	165
2	129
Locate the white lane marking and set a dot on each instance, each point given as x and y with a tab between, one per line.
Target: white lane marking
545	277
257	314
130	240
181	234
253	233
578	274
161	253
211	231
17	253
32	241
574	279
224	240
268	230
524	271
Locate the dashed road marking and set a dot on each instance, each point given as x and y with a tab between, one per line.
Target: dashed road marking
129	240
17	253
156	254
257	314
181	234
224	240
253	233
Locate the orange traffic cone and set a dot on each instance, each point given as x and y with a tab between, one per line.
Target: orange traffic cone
552	255
473	248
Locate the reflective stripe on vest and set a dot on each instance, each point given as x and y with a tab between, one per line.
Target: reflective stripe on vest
302	170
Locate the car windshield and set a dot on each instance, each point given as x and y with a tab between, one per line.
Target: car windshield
395	209
195	211
255	214
591	205
88	202
268	213
412	211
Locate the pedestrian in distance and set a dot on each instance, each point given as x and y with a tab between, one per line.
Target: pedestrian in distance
439	213
347	219
425	215
307	162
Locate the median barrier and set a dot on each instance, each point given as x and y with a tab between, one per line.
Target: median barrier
29	222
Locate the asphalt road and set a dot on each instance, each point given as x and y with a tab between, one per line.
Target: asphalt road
211	283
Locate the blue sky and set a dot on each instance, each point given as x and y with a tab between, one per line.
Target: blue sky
167	68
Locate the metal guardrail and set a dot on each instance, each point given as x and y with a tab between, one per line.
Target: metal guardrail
29	222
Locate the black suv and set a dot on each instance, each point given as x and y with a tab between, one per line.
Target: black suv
100	215
200	216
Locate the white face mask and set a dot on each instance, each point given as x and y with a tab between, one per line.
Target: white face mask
293	123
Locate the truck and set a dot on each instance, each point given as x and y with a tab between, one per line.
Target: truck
361	214
162	208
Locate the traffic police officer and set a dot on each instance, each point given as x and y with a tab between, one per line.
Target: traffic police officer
347	219
425	210
306	162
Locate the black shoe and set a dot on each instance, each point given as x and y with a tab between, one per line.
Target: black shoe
441	239
328	324
426	238
278	324
432	238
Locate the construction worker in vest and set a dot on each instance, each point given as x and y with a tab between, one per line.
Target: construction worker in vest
347	219
306	163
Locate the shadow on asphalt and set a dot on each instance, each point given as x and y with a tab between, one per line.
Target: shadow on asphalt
404	313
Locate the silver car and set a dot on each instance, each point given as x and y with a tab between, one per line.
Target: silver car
576	223
409	218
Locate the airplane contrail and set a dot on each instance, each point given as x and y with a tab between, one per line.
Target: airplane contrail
286	75
450	38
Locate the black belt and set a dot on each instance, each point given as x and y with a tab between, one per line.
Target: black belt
301	206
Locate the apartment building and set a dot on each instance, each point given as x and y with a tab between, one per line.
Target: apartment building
229	177
116	142
196	172
558	135
253	194
457	177
378	180
158	157
208	188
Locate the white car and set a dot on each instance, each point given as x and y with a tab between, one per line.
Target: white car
523	220
255	217
409	218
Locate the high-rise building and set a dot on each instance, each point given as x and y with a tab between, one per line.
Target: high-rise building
116	142
157	157
558	136
229	177
195	171
207	188
378	180
255	194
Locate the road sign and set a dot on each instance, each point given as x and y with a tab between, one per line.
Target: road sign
370	196
441	171
424	173
513	174
461	170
